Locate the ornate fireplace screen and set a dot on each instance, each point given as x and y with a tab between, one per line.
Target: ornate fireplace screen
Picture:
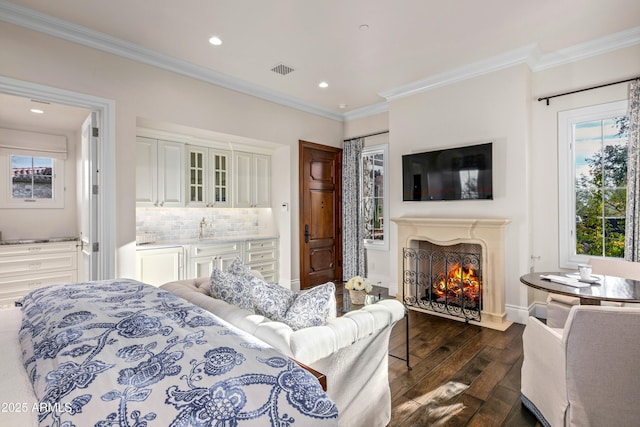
447	281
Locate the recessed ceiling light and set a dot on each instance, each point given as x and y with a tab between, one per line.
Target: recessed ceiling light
323	85
37	111
343	106
215	40
363	27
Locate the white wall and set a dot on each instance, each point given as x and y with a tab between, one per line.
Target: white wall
491	108
38	223
141	91
611	67
501	107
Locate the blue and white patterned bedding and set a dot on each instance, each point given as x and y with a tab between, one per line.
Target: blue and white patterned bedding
122	353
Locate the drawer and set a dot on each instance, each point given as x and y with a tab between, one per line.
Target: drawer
255	257
14	265
263	267
38	248
253	245
210	250
15	287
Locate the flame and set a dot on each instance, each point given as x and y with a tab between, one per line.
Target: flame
459	282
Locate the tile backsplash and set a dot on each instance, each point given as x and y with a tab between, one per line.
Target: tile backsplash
177	224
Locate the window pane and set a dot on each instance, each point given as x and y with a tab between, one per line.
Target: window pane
32	177
600	186
373	196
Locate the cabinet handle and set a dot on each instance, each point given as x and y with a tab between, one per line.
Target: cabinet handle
35	249
35	265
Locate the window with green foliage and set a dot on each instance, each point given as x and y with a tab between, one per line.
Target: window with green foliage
593	143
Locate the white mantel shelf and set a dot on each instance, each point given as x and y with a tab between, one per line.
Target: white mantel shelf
487	232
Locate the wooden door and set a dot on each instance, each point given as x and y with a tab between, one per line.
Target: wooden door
320	214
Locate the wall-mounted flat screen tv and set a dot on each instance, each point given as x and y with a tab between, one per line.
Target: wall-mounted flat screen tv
463	173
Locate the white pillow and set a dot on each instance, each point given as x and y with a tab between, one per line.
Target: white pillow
234	286
271	300
311	307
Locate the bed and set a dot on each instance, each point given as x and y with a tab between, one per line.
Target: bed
124	353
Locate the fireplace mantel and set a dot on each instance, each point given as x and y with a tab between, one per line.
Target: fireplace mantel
487	232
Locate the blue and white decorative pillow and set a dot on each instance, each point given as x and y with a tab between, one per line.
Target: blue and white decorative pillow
271	300
239	268
311	307
231	288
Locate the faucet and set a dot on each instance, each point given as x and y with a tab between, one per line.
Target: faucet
202	224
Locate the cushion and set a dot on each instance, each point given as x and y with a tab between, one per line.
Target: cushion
310	307
239	268
271	300
232	288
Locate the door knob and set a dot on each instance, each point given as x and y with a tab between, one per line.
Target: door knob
306	233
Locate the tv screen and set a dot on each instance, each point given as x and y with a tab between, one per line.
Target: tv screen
462	173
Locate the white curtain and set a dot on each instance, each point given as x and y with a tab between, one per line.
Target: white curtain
353	254
632	232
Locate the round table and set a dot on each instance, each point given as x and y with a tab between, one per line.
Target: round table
609	288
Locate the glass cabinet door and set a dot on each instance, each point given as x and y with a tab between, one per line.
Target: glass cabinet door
221	170
196	177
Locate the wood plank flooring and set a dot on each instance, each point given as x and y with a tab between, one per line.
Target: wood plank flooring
463	375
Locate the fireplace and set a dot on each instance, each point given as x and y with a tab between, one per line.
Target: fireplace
454	268
444	279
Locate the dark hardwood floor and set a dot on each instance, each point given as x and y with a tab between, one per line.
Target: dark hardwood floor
463	375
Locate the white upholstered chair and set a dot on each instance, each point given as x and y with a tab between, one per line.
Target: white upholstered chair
558	306
587	373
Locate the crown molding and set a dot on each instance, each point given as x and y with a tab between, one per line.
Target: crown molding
600	46
528	55
55	27
366	111
524	55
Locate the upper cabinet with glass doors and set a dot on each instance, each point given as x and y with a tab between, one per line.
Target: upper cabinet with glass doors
208	177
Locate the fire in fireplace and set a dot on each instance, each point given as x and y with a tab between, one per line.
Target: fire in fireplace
444	279
460	285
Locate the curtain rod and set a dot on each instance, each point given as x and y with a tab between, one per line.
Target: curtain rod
547	98
366	136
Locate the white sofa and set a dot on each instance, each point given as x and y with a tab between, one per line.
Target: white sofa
351	350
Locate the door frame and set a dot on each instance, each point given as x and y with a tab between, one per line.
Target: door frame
106	157
338	212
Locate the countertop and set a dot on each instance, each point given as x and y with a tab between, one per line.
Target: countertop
32	241
204	241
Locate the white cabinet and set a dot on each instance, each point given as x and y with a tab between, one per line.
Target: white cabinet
159	173
204	257
208	177
252	180
262	256
25	267
159	266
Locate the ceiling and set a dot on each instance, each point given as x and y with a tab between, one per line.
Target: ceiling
406	41
15	113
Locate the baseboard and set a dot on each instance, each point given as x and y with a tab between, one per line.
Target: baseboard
517	314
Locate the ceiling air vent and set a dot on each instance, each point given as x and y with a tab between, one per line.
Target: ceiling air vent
282	69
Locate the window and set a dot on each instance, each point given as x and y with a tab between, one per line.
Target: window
31	169
31	177
31	181
593	172
374	205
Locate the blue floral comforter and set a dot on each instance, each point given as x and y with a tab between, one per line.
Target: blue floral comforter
123	353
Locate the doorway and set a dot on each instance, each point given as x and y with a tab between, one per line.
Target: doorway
320	177
104	161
